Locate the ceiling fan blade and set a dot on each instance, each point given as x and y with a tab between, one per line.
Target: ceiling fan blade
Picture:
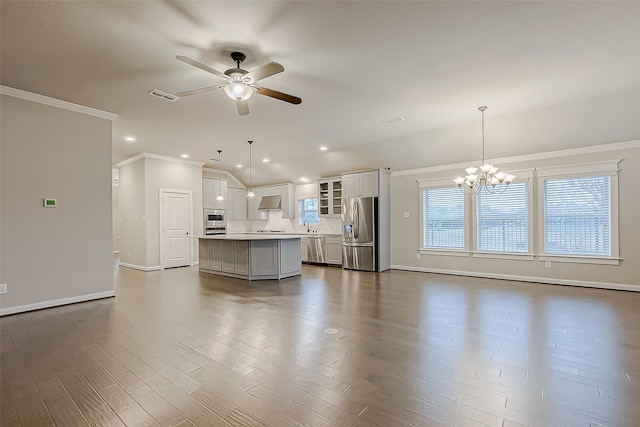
243	107
267	70
278	95
200	65
197	91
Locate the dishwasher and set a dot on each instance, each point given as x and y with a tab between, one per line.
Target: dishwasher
315	249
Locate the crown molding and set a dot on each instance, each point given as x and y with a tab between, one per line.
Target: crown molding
52	102
528	157
157	157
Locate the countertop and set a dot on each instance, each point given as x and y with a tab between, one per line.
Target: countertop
257	236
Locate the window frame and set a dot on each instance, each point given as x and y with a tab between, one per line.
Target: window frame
527	176
608	168
300	201
436	184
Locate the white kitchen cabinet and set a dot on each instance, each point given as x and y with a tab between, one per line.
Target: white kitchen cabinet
330	197
286	191
360	184
303	249
225	256
333	249
203	253
236	203
211	188
288	201
215	255
228	256
242	257
252	205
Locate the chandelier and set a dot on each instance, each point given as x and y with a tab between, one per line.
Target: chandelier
485	178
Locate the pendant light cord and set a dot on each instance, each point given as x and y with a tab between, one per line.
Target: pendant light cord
250	168
219	191
484	107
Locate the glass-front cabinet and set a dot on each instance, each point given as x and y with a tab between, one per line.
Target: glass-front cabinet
330	197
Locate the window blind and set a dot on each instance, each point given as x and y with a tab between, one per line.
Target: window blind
503	220
577	216
443	218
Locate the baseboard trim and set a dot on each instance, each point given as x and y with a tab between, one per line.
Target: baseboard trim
140	267
55	303
531	279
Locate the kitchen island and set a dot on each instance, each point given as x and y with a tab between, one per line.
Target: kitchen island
250	256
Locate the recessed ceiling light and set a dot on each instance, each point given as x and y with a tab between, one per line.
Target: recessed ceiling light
238	165
130	139
323	148
304	179
265	160
185	156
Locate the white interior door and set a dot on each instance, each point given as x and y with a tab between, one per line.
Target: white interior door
176	225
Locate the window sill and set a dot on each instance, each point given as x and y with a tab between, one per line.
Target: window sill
446	252
580	259
505	255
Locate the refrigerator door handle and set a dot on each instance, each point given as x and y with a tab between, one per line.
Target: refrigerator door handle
355	245
357	221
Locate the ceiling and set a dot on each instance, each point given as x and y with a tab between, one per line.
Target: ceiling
353	63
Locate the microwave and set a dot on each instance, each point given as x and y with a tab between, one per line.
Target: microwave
215	221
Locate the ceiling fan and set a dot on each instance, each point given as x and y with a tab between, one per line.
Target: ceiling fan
240	84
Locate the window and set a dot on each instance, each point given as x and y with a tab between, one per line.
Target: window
503	220
442	218
308	211
577	216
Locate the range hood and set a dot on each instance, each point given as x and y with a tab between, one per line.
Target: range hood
270	202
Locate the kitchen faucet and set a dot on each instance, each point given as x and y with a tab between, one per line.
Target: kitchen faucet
306	222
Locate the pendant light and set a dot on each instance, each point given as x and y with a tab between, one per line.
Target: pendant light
485	178
219	198
250	194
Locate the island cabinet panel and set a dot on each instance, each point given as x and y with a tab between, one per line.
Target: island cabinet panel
289	257
215	255
264	257
203	252
242	257
251	258
228	256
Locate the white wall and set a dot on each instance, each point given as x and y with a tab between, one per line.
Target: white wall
140	181
131	198
174	175
405	197
52	256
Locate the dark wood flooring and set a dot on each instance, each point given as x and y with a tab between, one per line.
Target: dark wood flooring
330	348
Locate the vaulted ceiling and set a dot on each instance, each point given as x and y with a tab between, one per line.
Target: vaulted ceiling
353	63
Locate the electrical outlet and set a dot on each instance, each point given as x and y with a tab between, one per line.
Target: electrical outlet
417	255
3	288
547	264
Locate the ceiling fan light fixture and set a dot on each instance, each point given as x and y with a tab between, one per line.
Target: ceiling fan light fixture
238	91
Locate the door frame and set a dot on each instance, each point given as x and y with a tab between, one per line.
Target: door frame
189	194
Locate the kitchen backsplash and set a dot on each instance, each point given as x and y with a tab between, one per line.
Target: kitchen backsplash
276	222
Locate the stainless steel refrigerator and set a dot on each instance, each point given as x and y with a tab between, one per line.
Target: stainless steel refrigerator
360	233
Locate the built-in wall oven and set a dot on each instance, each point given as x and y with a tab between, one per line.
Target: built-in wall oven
215	221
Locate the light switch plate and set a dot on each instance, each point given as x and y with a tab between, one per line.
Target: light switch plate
3	288
405	214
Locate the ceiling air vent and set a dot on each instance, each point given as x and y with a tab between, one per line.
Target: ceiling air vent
393	119
164	95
